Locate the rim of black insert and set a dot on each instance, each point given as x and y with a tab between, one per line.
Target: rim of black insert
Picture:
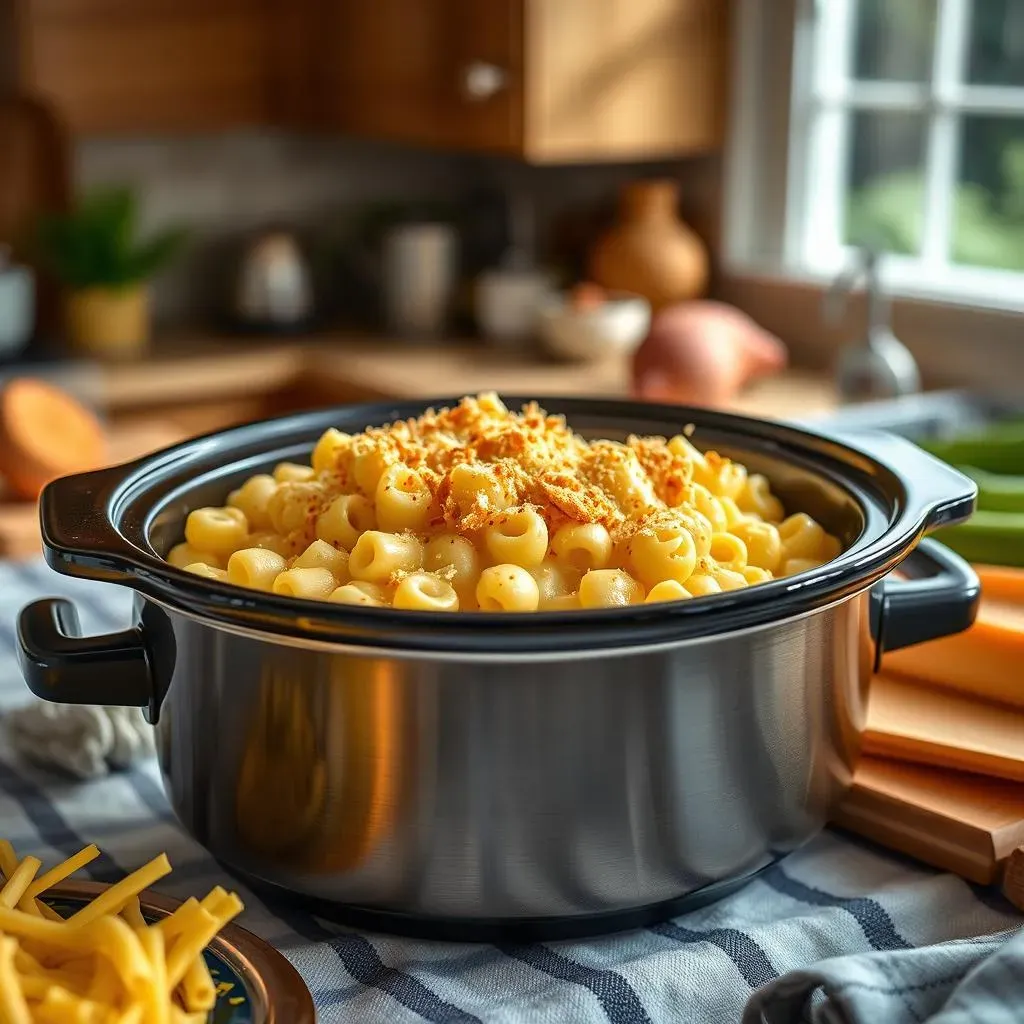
99	525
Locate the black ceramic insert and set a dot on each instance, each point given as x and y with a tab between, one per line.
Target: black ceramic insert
114	525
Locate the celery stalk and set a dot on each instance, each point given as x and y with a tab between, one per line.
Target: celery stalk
997	492
995	538
999	449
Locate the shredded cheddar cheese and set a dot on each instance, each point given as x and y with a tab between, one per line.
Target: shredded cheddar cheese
105	964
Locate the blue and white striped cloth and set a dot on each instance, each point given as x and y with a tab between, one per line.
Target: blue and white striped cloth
839	932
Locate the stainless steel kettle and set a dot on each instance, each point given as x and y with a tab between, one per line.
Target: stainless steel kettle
273	288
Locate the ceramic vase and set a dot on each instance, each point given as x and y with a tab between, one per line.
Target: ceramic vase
650	251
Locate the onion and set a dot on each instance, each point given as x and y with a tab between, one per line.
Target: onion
703	353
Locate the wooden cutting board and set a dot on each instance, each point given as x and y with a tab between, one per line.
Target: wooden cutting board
957	702
955	821
955	707
913	721
19	520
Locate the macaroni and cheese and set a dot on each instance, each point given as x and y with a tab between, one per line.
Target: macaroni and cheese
479	508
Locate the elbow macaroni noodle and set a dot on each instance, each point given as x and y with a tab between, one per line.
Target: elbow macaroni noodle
477	508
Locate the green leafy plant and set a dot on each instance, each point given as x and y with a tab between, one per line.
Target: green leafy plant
96	244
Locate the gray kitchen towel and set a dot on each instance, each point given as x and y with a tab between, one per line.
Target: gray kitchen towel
971	981
832	916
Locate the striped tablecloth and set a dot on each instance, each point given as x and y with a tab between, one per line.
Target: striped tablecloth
839	922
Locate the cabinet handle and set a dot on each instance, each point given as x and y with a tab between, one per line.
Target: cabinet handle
481	81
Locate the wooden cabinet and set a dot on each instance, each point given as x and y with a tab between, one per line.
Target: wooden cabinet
549	80
119	66
624	79
397	69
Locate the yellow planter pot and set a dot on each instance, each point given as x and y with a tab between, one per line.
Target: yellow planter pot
110	323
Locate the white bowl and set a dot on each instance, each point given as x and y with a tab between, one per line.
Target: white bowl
507	303
615	328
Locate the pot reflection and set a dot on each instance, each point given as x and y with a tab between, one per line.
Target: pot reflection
296	806
282	774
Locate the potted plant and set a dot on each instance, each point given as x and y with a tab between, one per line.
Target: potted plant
95	252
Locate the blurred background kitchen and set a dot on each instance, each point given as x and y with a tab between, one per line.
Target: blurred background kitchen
217	210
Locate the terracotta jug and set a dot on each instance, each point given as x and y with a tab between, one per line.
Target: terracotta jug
650	251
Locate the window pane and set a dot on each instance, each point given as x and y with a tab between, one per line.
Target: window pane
996	48
988	226
886	181
894	40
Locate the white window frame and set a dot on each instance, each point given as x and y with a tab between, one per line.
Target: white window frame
791	120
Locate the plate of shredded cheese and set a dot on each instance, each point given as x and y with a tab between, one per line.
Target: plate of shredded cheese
88	953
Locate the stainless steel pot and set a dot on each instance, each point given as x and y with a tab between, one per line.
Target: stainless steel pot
474	775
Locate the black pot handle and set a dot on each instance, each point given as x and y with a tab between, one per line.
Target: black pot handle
911	611
61	665
76	521
934	494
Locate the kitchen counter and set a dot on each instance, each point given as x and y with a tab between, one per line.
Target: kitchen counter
352	367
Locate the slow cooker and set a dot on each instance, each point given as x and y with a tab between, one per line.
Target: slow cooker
476	775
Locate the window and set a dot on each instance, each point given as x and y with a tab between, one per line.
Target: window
902	128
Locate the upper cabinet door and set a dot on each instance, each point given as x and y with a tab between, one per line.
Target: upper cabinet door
118	66
435	72
624	79
550	80
487	78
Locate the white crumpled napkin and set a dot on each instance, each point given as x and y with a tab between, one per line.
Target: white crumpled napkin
85	741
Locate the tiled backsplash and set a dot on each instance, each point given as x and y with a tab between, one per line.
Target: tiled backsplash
222	186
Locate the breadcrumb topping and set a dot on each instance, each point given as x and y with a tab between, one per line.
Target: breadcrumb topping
519	460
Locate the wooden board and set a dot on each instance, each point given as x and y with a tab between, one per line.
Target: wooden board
363	371
197	369
959	822
913	721
941	779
